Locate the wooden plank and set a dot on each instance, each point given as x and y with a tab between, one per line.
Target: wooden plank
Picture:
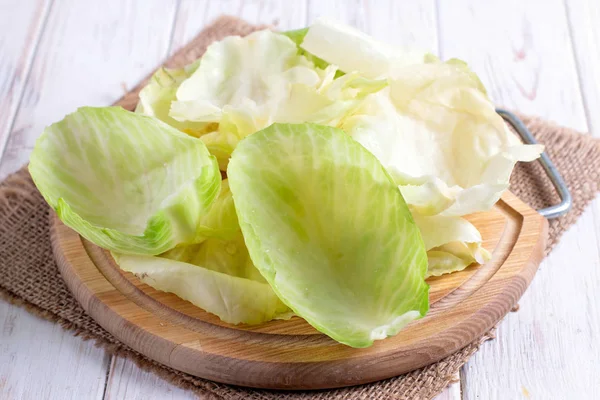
548	348
522	52
121	41
90	55
281	14
583	17
35	354
21	24
40	360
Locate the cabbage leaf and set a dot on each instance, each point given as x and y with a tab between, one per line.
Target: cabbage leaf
246	84
126	182
434	128
221	219
354	51
439	136
328	229
452	243
158	94
297	36
216	275
252	73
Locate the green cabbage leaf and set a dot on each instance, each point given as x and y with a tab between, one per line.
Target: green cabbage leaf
216	275
127	182
329	230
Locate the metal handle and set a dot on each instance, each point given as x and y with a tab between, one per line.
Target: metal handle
559	184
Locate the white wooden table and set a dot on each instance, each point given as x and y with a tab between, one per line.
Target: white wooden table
540	56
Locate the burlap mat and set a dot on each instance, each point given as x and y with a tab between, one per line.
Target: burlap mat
29	276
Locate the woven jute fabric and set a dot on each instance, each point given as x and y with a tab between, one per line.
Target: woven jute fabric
29	275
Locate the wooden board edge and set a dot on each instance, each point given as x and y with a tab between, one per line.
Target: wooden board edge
536	255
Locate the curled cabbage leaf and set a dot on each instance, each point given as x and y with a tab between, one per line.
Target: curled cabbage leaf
328	229
434	129
156	98
354	51
452	243
252	73
328	102
126	182
246	84
221	219
439	136
297	36
216	275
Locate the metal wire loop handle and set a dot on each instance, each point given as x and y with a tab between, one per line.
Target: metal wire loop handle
566	200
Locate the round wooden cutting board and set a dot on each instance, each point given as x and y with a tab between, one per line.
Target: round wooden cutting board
291	354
